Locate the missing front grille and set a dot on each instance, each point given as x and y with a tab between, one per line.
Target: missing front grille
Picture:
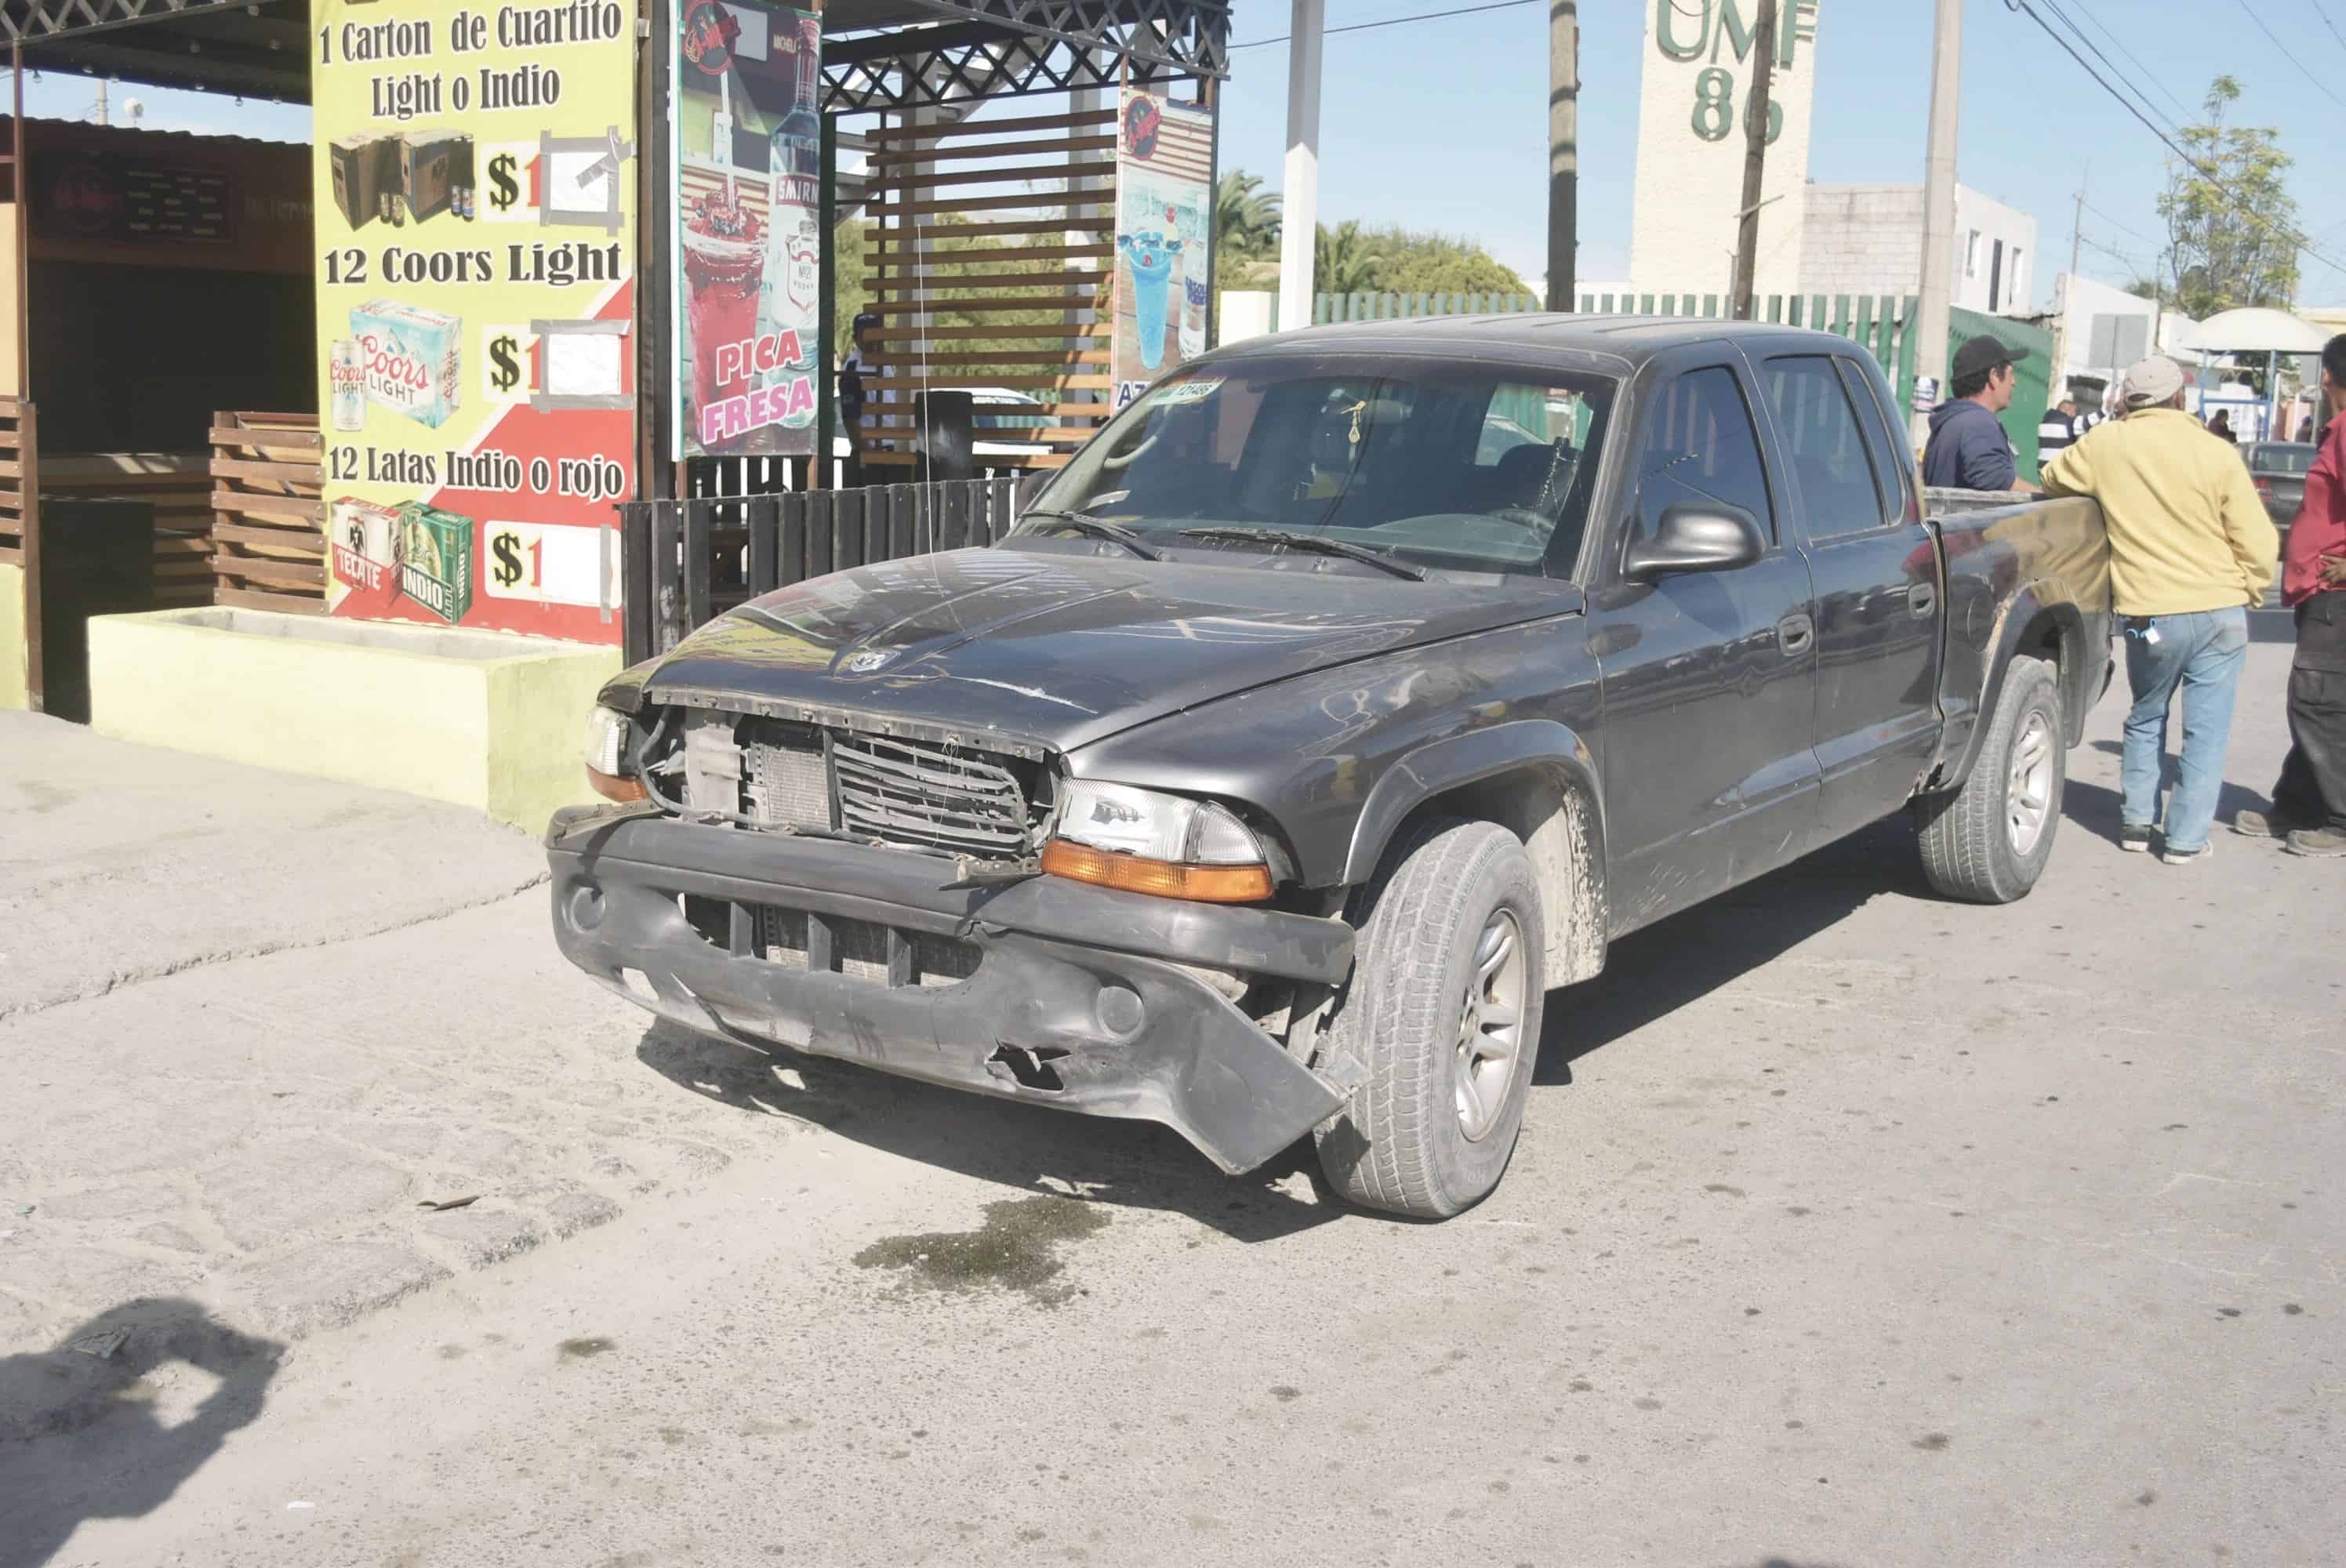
861	950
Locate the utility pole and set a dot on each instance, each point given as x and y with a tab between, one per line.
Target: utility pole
102	110
1563	152
1938	217
2057	379
1299	189
1755	159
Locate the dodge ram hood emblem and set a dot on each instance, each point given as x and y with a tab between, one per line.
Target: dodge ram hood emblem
869	660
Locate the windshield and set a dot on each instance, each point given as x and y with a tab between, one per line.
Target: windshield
2284	457
1465	467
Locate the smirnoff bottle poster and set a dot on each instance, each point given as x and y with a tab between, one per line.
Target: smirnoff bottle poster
748	234
475	182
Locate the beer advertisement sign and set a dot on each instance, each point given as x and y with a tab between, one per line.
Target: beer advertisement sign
747	242
475	192
1165	206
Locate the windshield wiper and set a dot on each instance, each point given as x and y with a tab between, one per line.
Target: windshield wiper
1319	542
1101	528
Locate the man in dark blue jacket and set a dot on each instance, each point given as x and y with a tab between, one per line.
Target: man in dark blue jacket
1968	448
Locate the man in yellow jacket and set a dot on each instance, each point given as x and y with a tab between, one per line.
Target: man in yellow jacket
2191	553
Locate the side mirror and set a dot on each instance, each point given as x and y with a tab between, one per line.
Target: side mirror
1696	536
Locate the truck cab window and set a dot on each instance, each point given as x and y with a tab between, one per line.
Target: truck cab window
1839	490
1701	445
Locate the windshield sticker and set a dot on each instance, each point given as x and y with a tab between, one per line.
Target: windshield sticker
1196	391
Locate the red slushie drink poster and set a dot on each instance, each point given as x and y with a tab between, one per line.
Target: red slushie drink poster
748	247
724	260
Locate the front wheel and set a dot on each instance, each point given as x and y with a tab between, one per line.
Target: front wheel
1443	1012
1987	842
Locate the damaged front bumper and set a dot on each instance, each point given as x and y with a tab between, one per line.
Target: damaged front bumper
1044	989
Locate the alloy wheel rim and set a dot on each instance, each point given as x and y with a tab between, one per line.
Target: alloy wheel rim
1490	1026
2029	802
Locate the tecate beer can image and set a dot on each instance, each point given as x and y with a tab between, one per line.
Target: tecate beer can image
435	560
362	540
346	374
409	358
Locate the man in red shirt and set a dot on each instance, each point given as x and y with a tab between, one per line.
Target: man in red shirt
2309	802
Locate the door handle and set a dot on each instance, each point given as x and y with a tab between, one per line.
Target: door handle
1794	633
1921	598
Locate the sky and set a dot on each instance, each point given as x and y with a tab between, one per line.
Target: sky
1443	124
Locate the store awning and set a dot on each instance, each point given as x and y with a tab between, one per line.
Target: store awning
877	54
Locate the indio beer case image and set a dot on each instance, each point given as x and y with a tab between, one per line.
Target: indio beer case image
435	560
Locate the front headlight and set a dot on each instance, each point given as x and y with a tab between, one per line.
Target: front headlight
607	734
1147	842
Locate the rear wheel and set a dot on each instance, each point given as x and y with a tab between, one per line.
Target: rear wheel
1987	842
1443	1012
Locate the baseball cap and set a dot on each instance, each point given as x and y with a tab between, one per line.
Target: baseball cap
1984	353
2151	382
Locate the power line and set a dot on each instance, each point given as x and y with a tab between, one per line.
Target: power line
2329	23
1392	22
2116	225
2205	172
2054	7
2119	44
2292	59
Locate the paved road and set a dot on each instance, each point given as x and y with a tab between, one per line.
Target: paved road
1850	1228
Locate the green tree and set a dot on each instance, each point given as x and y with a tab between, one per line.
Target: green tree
1347	260
1438	264
2231	224
1246	216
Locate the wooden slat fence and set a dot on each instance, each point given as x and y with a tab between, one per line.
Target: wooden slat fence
177	484
959	221
20	527
689	561
268	542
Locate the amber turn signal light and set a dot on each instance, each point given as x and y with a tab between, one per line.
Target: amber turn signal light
612	789
1164	879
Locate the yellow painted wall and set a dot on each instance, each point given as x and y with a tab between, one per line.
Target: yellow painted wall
8	323
12	690
482	721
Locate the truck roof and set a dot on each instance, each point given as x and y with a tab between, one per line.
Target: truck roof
1632	338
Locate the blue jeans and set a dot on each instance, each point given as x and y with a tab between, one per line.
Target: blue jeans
2202	653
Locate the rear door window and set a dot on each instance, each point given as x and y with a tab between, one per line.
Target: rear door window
1840	491
1700	444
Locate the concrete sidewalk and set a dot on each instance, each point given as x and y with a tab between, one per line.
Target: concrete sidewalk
250	1022
122	862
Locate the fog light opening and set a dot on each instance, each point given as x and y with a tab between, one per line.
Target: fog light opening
1030	1067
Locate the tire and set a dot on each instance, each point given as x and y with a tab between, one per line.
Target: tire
1406	1141
1973	844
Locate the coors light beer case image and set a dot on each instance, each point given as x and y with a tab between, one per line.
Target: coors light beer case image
475	177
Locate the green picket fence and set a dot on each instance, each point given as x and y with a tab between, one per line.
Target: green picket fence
1327	307
1882	323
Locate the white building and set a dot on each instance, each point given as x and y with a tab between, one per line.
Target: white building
1868	239
1694	89
2099	331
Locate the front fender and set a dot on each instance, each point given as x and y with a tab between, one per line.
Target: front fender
1442	766
1333	760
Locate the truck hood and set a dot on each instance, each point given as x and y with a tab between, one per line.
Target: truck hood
1061	649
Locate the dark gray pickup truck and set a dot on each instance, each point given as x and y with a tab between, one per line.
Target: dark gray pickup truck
1348	693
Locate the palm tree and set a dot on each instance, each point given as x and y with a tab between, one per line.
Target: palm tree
1346	261
1246	216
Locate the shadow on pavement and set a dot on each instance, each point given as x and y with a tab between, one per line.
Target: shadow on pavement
1137	1164
2096	808
1653	972
80	1437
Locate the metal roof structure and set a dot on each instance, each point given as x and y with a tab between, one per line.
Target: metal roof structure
877	54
